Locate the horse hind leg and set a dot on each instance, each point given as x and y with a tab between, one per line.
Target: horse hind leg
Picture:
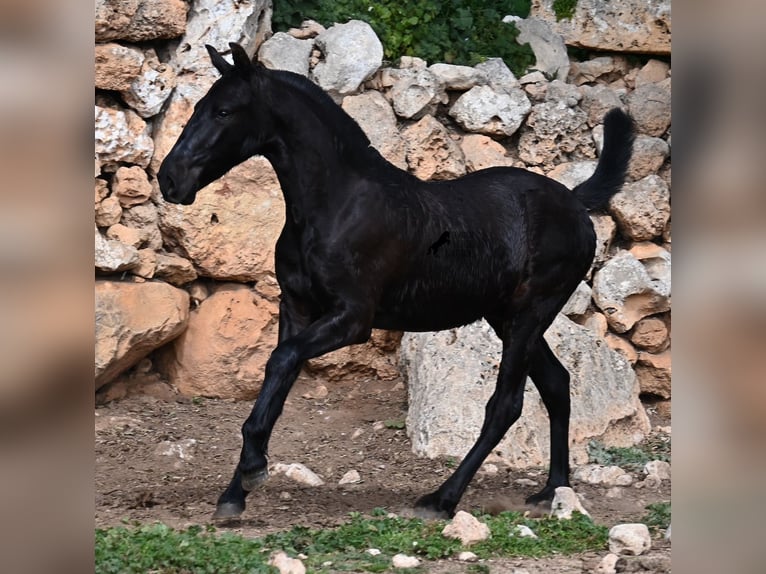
502	410
552	381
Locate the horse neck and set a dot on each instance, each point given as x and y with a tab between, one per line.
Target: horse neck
304	154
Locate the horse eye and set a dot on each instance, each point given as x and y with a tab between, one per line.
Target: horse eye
223	113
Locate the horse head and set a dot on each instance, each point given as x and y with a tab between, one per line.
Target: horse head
222	132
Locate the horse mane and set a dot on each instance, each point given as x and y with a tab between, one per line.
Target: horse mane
349	139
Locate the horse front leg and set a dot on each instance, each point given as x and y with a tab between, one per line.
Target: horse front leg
330	332
292	319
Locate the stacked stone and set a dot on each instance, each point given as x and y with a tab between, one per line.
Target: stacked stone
439	121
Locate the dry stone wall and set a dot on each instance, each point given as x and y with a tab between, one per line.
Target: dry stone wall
437	120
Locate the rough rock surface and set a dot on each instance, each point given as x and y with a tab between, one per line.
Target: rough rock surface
626	293
641	26
285	52
224	349
374	115
481	152
630	539
466	528
140	20
352	53
431	152
484	110
147	92
121	136
565	502
133	319
117	66
642	208
555	133
459	367
230	231
549	48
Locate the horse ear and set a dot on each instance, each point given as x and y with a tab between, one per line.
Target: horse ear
242	61
220	64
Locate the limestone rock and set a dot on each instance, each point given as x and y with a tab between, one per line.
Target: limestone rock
658	468
466	528
374	115
622	346
298	472
224	349
626	293
501	79
218	23
649	153
121	136
145	218
579	301
653	72
649	105
352	54
148	91
416	94
484	110
481	152
629	539
285	52
443	369
561	92
606	230
112	256
140	20
230	231
597	101
608	564
174	269
597	474
147	263
117	66
308	29
641	26
133	319
181	449
351	477
286	565
654	372
108	212
650	334
523	531
375	359
548	47
404	561
565	503
573	173
555	133
642	208
591	70
461	78
431	152
125	235
131	186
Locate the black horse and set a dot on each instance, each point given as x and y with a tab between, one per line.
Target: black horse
366	245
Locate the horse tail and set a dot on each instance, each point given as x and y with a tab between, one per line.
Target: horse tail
619	133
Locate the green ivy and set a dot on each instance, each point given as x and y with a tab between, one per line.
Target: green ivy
453	31
564	9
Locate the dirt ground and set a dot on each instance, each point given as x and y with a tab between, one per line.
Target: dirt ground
342	431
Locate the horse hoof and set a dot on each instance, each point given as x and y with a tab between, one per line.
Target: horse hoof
228	511
427	508
542	499
250	481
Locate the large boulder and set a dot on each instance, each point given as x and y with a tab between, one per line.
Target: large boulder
484	110
352	54
374	115
229	232
132	320
451	375
641	26
140	20
224	350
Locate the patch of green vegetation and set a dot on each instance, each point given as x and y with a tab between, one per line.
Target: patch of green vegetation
631	458
394	424
457	31
163	550
658	516
564	9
